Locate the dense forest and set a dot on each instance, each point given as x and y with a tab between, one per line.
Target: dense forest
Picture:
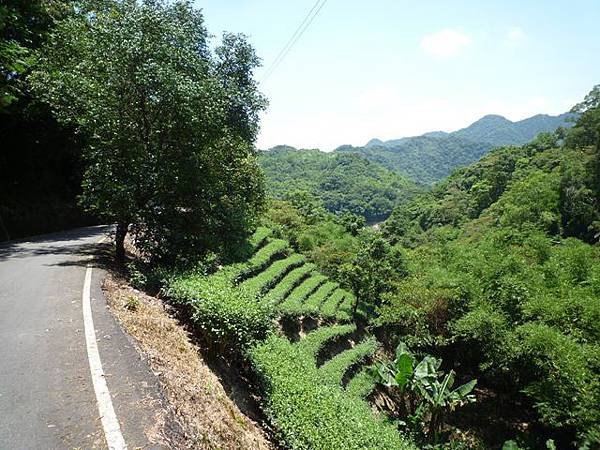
469	319
343	182
433	156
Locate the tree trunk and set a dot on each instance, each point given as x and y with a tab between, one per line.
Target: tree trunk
120	241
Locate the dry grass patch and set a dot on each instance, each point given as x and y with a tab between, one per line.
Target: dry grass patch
208	418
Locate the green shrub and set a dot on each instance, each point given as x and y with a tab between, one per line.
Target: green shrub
288	283
565	385
331	304
309	415
262	258
362	384
293	304
344	311
260	237
333	371
229	317
314	302
272	275
532	202
317	339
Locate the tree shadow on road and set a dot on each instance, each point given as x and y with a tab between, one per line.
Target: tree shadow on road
77	247
73	242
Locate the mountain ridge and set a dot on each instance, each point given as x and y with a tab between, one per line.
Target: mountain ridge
492	122
433	156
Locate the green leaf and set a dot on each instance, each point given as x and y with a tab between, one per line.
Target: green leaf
404	370
402	349
444	388
466	388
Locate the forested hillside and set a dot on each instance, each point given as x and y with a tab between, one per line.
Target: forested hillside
424	159
499	131
344	183
496	271
504	272
433	156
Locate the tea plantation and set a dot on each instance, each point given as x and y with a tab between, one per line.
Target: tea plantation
295	328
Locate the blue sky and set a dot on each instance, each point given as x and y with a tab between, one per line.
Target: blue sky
394	68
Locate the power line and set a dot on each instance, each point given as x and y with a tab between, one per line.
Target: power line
288	43
310	17
296	36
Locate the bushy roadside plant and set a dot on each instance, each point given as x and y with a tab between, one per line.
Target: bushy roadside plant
229	318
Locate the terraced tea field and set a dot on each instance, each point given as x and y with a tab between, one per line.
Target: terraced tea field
312	364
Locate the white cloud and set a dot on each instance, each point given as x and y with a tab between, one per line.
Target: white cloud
445	43
515	34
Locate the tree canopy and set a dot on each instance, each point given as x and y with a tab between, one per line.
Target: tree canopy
169	124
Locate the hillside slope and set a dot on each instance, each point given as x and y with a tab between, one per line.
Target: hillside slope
343	182
504	276
424	159
307	384
499	131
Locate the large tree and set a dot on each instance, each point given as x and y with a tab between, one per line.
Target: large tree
170	125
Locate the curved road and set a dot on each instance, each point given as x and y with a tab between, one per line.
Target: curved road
47	398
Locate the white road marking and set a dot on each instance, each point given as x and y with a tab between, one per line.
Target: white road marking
110	423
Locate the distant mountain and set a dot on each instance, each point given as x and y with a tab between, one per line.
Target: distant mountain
374	143
343	182
436	134
434	155
499	131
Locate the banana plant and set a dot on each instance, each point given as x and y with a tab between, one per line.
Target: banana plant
399	372
426	389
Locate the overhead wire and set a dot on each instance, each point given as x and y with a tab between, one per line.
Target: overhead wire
306	22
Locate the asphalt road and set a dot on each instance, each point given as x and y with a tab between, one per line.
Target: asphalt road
47	399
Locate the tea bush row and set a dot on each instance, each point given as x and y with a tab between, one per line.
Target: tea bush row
308	414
